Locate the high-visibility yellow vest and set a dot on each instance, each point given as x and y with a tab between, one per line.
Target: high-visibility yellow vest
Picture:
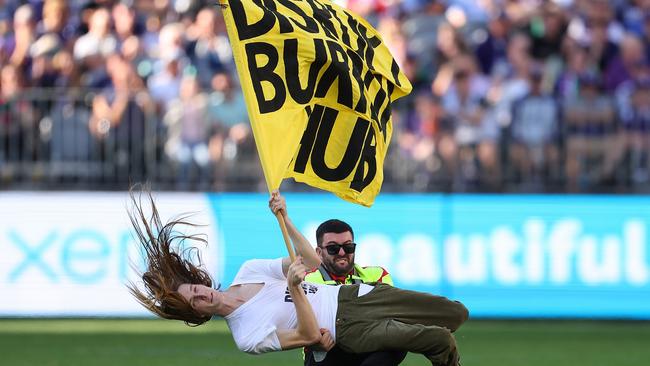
359	275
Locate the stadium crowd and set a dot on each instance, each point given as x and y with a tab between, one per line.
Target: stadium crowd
509	95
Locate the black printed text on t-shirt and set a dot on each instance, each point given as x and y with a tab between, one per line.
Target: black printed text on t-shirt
307	288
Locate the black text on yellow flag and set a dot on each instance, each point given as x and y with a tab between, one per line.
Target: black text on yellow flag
319	83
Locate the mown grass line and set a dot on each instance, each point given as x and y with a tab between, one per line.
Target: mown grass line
38	342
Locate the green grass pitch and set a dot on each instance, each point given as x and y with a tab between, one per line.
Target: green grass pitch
97	342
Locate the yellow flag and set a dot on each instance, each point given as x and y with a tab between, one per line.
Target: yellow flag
318	82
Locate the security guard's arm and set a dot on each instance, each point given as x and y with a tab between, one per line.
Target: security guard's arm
300	243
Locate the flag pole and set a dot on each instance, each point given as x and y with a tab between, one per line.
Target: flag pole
285	235
283	228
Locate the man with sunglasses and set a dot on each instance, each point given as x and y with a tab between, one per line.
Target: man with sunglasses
336	247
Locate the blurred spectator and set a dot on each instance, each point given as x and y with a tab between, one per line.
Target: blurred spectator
170	40
42	53
635	16
470	10
230	117
132	51
420	30
510	80
636	126
24	36
632	56
639	143
222	43
189	127
464	105
56	20
547	31
602	49
73	150
422	135
202	46
510	83
98	42
165	83
121	119
521	11
67	74
232	142
449	47
534	131
93	48
646	35
630	98
577	64
5	39
592	137
152	26
16	116
44	73
492	51
124	21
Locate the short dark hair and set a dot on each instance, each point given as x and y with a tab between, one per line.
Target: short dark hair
332	226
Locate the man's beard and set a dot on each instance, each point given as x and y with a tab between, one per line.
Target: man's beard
339	270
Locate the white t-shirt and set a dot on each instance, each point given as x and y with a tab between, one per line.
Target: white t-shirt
253	325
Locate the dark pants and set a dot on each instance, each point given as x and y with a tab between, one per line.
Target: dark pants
338	357
388	318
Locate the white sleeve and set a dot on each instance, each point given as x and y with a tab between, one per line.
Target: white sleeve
268	342
259	270
275	269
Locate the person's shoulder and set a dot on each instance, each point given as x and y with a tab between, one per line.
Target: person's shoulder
255	269
261	262
373	273
313	270
370	268
313	273
314	276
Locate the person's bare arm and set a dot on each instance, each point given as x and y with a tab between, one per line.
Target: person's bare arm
300	243
307	332
103	111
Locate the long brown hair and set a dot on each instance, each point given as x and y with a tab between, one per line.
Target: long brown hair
167	265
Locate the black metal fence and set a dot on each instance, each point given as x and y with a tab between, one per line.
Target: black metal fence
68	139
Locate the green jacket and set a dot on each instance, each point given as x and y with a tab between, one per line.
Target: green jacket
359	275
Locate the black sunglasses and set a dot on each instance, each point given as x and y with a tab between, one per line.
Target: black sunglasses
334	249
